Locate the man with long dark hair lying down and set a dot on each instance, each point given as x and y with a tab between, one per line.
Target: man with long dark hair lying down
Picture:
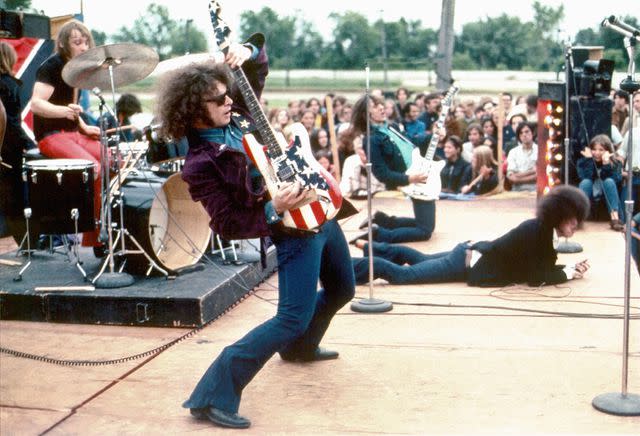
524	254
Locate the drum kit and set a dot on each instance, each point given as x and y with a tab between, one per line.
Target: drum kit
165	229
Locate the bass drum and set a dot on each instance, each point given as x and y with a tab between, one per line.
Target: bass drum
160	214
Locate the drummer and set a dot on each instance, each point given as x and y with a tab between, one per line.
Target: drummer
58	126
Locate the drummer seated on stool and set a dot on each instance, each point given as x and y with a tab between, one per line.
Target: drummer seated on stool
58	127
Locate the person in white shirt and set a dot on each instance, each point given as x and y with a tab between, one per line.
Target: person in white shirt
521	162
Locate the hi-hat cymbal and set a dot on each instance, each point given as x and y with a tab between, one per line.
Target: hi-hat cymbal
131	62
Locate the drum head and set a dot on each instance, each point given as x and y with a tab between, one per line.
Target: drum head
57	164
178	227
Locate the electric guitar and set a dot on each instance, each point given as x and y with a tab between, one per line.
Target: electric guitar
277	161
429	190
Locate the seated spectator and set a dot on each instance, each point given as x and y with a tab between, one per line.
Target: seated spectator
314	105
294	109
402	98
484	172
457	171
392	114
319	140
532	108
514	121
307	119
475	135
414	129
324	158
489	128
353	181
431	110
521	161
281	121
126	106
600	176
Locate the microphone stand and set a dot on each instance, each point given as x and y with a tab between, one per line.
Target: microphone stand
566	246
370	305
623	403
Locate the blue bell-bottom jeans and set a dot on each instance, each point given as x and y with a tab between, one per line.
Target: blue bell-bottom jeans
398	229
609	191
402	265
303	315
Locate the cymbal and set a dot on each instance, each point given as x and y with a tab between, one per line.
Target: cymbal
131	62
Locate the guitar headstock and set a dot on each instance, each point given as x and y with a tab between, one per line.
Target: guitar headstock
221	30
449	96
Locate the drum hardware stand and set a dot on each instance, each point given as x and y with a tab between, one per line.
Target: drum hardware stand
232	243
74	216
26	237
114	279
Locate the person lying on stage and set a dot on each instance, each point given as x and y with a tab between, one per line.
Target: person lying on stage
201	102
524	254
58	127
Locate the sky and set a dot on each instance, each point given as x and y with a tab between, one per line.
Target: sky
109	15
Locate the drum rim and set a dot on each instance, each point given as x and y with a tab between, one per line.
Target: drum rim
57	164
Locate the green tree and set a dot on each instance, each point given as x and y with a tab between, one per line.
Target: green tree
354	42
156	29
100	38
279	33
14	5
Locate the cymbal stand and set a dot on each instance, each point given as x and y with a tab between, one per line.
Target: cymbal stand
27	238
115	279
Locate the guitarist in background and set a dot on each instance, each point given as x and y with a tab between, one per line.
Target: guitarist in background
390	158
200	102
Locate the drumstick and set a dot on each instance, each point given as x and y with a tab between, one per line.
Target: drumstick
115	129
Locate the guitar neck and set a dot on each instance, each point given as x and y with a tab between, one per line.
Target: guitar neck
255	108
433	144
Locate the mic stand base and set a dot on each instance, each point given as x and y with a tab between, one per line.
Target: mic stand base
113	280
615	403
371	305
567	246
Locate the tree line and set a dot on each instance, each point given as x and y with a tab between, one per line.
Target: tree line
492	43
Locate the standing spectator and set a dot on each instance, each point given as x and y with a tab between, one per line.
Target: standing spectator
521	162
13	141
600	176
636	114
620	110
457	171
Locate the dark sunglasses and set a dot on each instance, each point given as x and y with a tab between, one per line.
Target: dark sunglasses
218	99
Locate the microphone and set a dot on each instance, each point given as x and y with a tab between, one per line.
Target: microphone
621	27
618	22
96	91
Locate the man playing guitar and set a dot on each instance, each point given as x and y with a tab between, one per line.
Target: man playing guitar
201	102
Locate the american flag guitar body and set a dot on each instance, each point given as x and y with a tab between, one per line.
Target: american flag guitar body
280	162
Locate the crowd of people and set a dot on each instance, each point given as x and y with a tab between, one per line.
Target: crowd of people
479	159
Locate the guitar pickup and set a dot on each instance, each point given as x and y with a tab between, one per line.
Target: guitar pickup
285	173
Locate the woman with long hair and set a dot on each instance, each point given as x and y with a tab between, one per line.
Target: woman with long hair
484	172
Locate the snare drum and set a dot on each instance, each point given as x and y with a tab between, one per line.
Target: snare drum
168	224
54	188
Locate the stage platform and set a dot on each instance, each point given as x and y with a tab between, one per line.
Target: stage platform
197	294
